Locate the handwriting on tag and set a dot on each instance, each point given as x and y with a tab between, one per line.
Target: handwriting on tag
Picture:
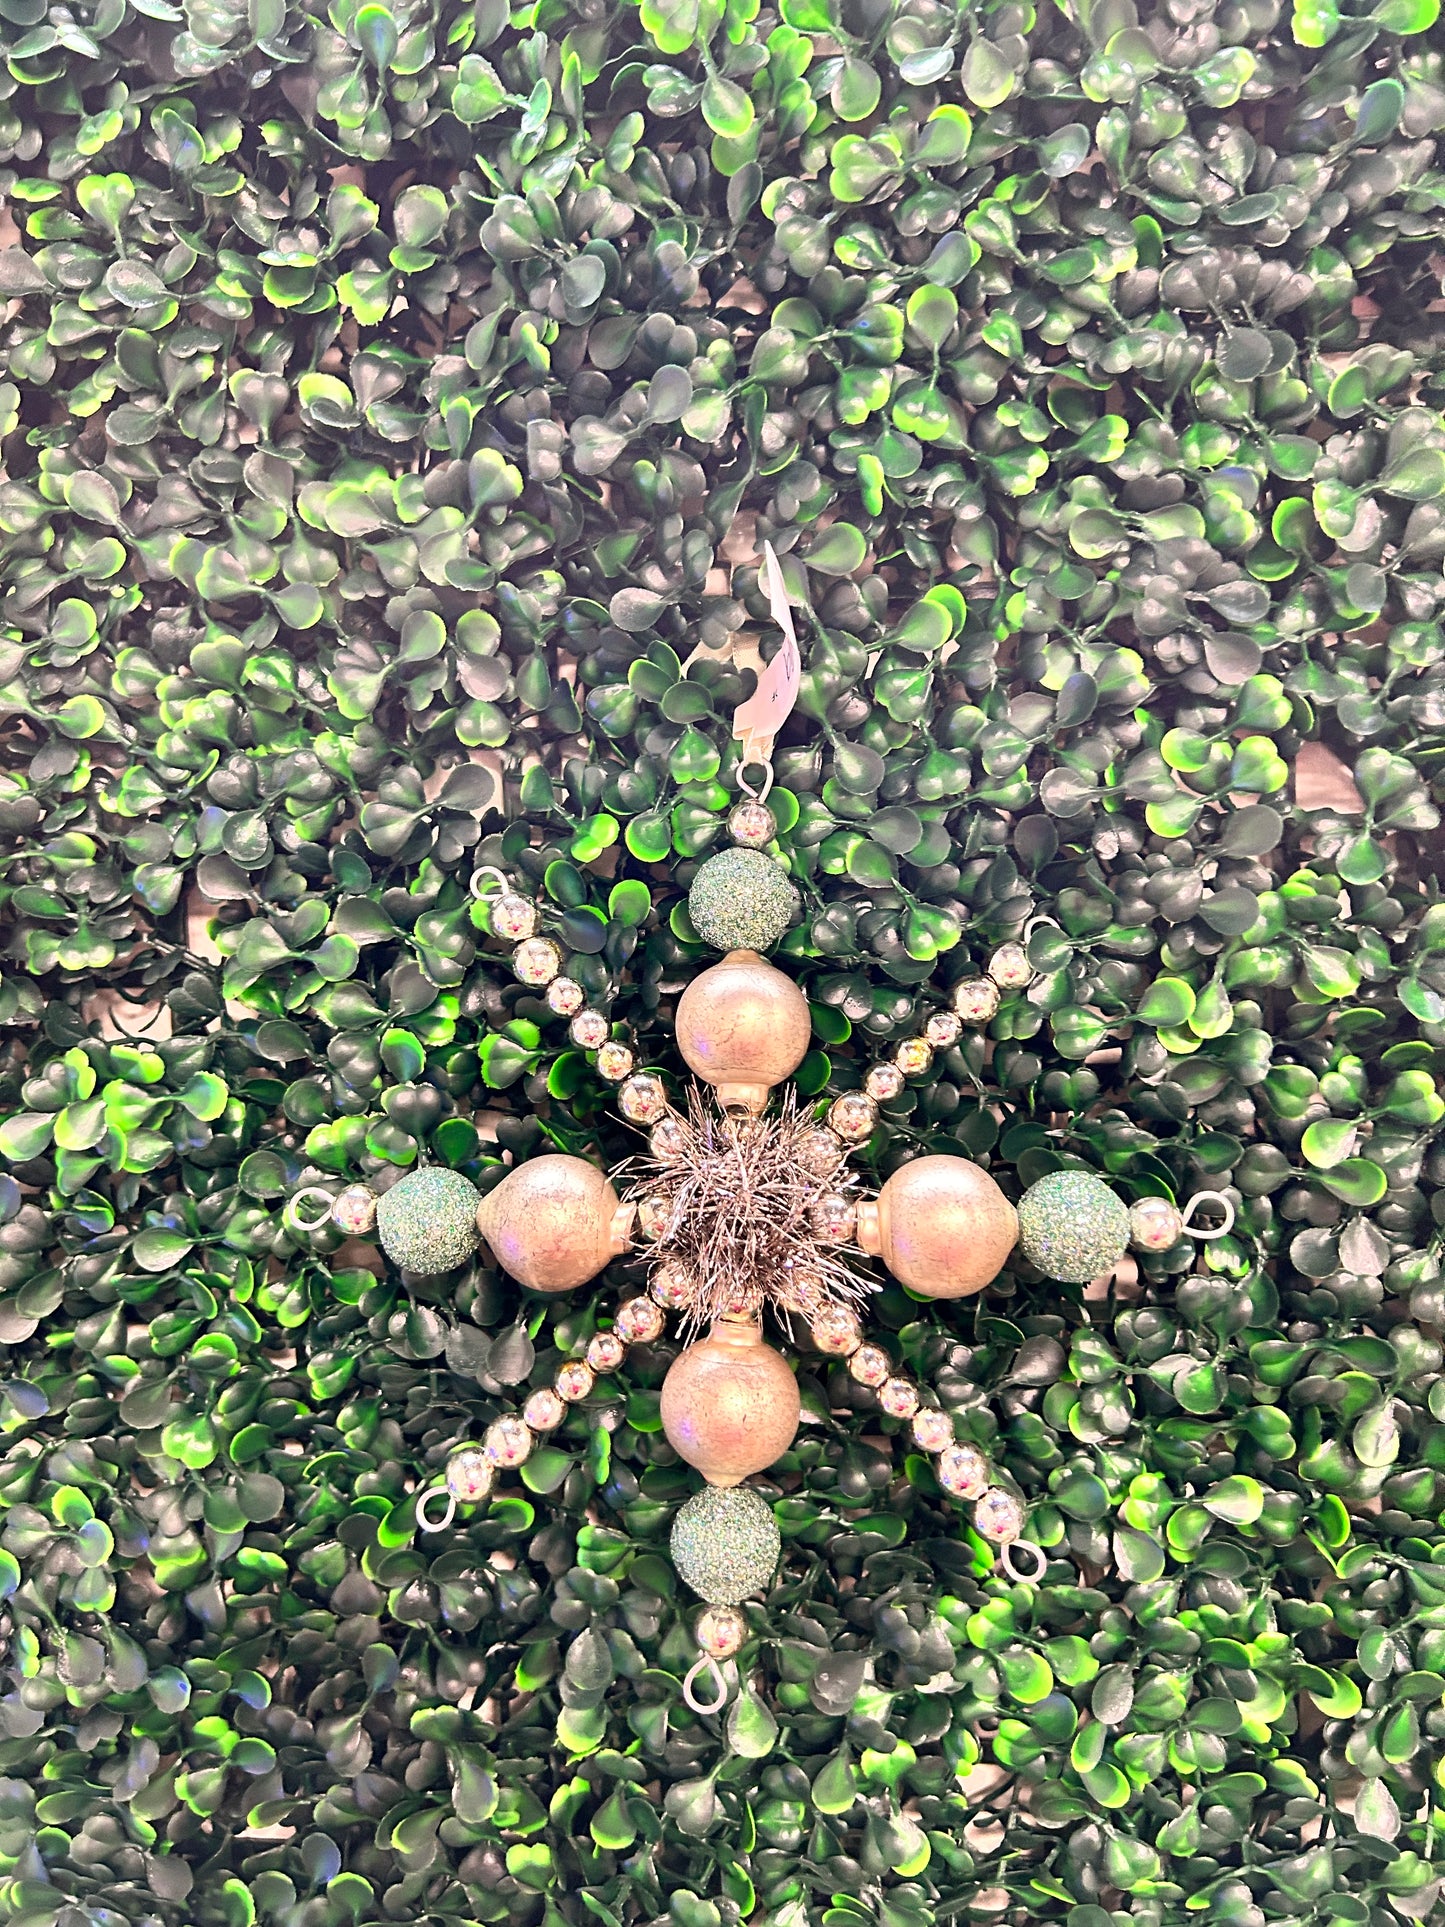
757	721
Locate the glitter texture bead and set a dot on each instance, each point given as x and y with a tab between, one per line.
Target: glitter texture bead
614	1062
742	900
898	1397
1155	1224
998	1516
962	1470
1010	968
589	1030
512	917
976	1000
606	1352
354	1210
643	1098
672	1285
537	961
883	1082
566	996
640	1321
574	1380
932	1428
834	1217
870	1365
752	824
853	1116
913	1056
942	1029
720	1631
666	1141
836	1331
725	1543
820	1152
1072	1226
469	1475
509	1442
544	1410
427	1221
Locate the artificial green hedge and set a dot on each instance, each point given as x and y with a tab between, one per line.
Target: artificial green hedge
393	400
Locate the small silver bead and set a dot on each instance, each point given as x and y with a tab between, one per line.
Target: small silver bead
537	961
963	1471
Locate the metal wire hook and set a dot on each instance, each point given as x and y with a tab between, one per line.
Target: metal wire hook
1209	1197
758	796
423	1509
1036	1553
701	1666
487	870
292	1218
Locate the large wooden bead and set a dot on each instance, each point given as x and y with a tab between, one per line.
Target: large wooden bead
730	1404
942	1227
743	1027
553	1223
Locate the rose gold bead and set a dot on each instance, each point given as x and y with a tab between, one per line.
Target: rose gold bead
743	1302
913	1056
820	1152
898	1397
800	1289
721	1631
512	917
643	1098
469	1475
614	1062
962	1470
672	1285
1155	1224
998	1516
606	1352
589	1030
752	824
354	1210
509	1442
537	961
836	1331
883	1082
942	1029
652	1218
1010	968
640	1321
574	1380
834	1217
932	1428
668	1140
544	1410
976	1000
870	1365
853	1116
566	996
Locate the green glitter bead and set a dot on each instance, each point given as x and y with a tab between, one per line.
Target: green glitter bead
427	1221
742	900
1072	1226
725	1543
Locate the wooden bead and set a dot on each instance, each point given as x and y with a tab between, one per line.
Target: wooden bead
743	1027
942	1227
730	1404
553	1223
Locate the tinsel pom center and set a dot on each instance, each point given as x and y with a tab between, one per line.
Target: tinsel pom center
732	1202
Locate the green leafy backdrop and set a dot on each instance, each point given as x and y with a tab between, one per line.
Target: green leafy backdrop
393	399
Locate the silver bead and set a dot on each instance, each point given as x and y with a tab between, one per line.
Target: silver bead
963	1471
